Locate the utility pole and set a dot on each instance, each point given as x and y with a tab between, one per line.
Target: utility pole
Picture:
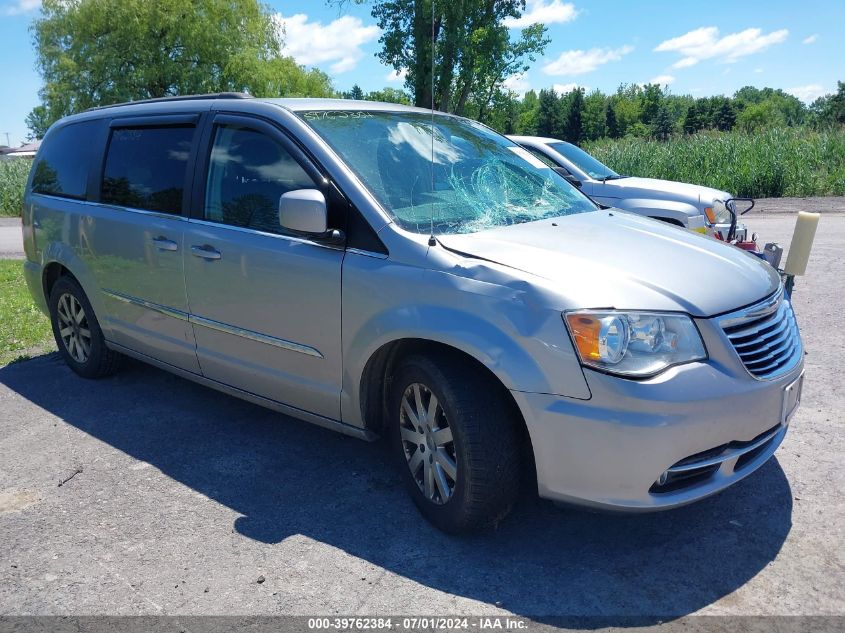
8	143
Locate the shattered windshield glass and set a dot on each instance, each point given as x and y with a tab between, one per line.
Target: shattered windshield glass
478	179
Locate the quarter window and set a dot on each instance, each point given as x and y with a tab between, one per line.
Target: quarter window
248	172
146	168
61	168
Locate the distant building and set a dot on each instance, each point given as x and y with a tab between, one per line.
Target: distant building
24	151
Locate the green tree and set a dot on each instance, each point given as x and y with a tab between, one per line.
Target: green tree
611	124
548	113
389	95
99	52
760	116
595	116
652	98
781	107
692	120
501	113
573	109
830	109
528	114
627	103
473	52
354	93
725	118
663	123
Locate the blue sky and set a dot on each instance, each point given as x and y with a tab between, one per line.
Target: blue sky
693	47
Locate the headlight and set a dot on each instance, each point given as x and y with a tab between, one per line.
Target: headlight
636	344
717	213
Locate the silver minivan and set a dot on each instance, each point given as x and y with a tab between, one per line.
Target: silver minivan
380	270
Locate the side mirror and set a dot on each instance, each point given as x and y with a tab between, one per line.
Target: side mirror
572	180
304	211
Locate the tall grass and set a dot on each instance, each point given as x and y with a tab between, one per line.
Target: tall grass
773	163
13	175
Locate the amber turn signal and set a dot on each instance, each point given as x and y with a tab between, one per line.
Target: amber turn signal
585	331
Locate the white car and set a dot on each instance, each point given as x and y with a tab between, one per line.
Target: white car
694	207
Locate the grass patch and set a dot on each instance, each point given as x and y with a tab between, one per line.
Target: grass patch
13	175
24	330
769	164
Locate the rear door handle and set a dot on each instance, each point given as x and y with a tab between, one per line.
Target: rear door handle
206	252
164	244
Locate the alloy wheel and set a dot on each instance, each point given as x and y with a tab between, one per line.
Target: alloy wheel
428	444
73	328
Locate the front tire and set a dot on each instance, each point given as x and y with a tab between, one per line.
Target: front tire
457	440
77	331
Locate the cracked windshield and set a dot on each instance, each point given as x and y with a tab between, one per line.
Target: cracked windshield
479	180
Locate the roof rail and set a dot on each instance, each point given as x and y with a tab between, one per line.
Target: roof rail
215	95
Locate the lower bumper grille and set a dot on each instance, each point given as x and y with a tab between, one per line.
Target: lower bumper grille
700	467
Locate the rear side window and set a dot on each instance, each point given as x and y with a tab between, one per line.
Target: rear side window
62	166
146	168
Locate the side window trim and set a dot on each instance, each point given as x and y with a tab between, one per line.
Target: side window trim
194	120
159	120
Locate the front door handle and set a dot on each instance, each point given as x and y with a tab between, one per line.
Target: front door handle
164	244
206	252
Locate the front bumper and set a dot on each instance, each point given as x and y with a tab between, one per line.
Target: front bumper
721	231
610	451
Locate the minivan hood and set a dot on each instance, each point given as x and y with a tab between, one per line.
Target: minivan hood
655	189
614	259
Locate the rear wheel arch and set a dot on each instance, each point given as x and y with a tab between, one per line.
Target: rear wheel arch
51	274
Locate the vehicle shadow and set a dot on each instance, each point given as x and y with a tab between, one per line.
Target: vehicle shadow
287	477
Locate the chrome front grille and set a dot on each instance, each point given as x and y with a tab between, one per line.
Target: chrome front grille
765	336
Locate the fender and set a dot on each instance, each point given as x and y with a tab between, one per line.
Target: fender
522	341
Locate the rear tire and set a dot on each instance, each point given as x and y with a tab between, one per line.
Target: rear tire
459	457
77	331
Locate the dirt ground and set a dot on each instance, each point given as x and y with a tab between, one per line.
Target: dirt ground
827	204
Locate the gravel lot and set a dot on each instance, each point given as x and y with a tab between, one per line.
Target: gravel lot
178	500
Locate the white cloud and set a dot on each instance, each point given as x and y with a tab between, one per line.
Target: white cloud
545	11
808	93
21	6
758	70
705	43
517	83
810	39
563	89
580	62
396	75
662	80
686	62
338	41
